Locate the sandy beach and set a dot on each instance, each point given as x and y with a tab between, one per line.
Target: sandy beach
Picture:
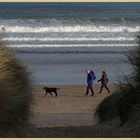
70	108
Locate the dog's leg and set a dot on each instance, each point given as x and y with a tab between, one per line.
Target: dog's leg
50	94
45	94
55	93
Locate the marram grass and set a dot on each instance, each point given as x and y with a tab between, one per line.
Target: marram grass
15	91
125	104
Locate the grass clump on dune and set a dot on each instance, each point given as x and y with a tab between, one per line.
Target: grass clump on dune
125	103
15	91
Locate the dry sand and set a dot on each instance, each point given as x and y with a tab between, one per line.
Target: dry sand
70	108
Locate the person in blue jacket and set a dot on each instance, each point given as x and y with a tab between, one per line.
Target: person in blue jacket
90	79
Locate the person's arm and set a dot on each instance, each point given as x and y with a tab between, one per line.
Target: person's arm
100	79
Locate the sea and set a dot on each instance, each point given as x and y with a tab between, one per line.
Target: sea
58	41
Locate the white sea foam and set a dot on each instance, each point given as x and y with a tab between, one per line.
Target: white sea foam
64	34
73	45
68	39
75	28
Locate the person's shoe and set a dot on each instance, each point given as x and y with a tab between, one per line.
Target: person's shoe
85	95
92	95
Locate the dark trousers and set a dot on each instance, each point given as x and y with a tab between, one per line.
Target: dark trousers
102	86
89	87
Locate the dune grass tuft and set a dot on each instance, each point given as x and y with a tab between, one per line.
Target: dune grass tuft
15	91
124	104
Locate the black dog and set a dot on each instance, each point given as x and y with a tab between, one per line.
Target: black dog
50	90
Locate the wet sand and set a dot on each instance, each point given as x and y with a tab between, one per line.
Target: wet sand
70	108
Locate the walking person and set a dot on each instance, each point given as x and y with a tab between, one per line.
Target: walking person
104	80
90	79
